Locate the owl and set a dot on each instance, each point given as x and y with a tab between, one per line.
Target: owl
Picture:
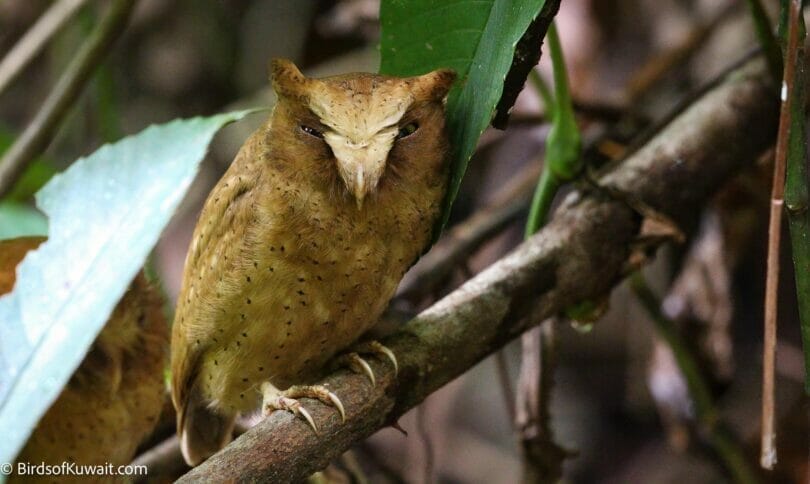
113	400
301	244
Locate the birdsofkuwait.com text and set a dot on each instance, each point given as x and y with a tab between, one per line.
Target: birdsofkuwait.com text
73	469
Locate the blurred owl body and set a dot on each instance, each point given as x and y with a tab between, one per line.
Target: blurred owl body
113	400
302	243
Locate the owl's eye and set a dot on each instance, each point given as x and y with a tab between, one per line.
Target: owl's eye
407	130
311	131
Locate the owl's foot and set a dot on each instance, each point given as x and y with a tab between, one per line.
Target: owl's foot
358	365
274	399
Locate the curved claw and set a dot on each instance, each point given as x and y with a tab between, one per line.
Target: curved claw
305	413
364	366
384	350
337	403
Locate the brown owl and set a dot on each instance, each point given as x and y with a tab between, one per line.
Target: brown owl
113	400
302	243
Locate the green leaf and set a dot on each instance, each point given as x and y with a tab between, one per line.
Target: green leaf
106	213
20	220
797	180
477	38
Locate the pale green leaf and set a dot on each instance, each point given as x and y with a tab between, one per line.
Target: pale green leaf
106	213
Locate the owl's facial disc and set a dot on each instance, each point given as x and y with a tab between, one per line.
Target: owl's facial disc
361	162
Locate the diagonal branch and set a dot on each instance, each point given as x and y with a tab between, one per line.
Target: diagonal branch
580	255
39	133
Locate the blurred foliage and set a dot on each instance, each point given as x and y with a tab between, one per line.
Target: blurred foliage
106	213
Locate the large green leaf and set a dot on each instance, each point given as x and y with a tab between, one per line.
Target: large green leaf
106	212
477	38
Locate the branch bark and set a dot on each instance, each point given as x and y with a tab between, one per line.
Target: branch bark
580	255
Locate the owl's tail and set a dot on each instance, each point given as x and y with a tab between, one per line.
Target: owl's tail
202	430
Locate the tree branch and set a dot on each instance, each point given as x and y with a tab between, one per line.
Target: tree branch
580	255
27	48
37	136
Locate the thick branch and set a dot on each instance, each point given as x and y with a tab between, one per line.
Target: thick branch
579	256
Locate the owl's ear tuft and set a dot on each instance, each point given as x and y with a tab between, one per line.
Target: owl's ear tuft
286	79
434	85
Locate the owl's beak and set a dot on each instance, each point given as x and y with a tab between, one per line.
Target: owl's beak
361	177
360	187
360	164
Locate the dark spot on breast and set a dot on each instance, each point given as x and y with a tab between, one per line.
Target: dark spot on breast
247	278
244	380
248	300
261	368
244	335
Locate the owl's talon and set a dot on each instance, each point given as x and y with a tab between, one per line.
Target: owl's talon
359	365
287	400
291	405
381	349
338	404
303	411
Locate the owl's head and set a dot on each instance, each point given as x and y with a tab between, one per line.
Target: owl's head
363	123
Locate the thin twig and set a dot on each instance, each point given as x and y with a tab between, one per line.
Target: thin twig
39	133
768	455
35	38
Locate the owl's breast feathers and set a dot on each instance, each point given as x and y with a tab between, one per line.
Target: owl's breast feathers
281	276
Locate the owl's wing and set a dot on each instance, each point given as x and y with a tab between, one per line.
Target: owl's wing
220	228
